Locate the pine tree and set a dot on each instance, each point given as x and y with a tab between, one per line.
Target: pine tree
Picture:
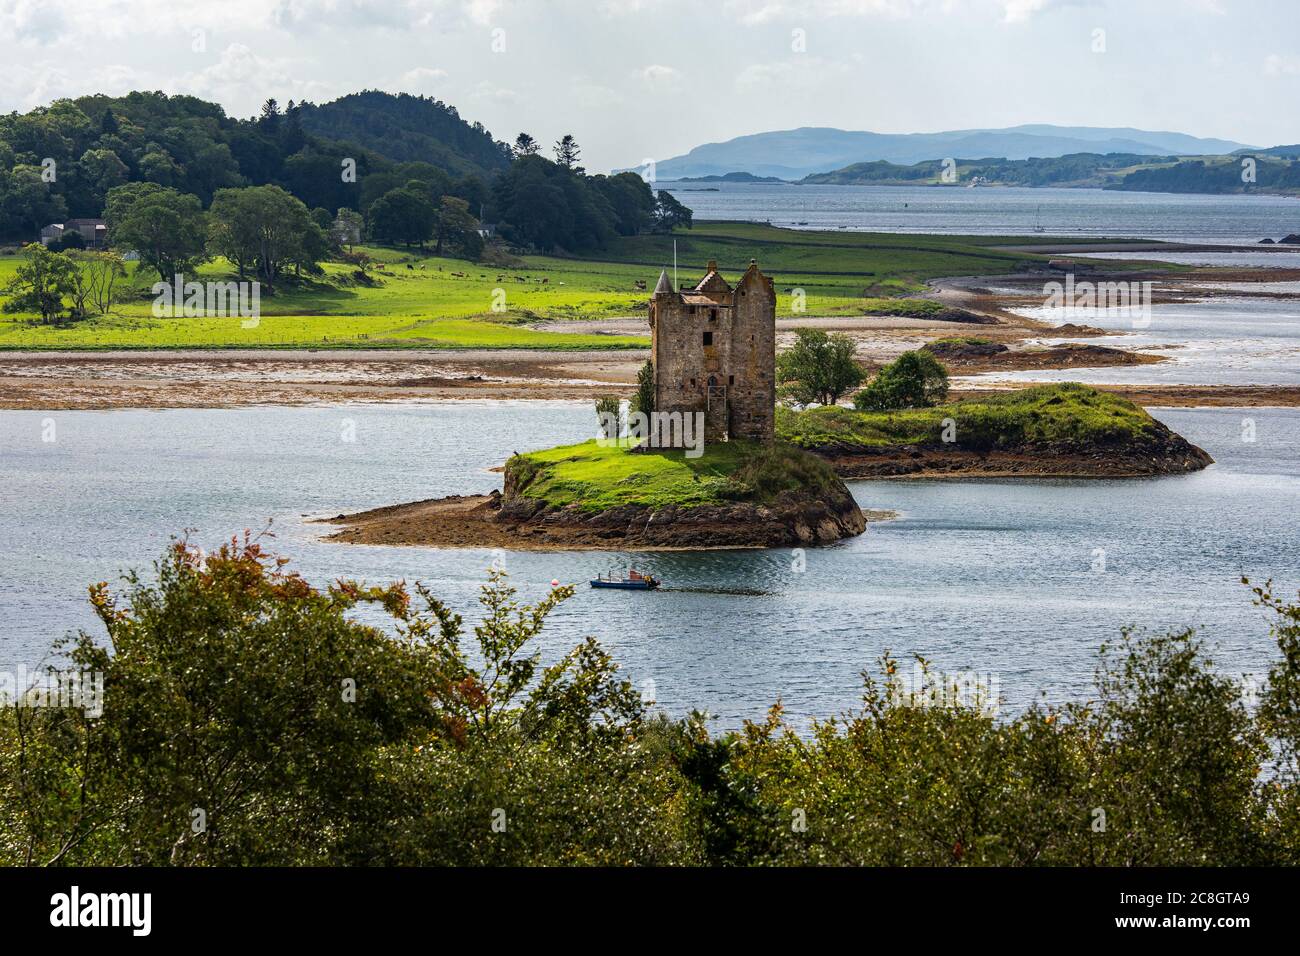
567	153
525	145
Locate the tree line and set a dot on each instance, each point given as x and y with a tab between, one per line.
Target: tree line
63	161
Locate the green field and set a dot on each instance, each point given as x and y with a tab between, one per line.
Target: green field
421	301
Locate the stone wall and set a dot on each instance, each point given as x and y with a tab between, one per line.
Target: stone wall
714	351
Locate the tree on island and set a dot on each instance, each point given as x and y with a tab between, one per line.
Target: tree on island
644	399
915	379
608	409
40	283
818	368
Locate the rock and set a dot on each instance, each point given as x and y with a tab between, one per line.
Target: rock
1292	240
1265	242
792	519
963	349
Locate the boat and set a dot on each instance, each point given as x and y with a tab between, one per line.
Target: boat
635	581
1038	224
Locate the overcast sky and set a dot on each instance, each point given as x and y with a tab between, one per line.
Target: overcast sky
635	79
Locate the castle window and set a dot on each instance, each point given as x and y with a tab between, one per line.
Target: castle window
692	383
713	315
690	310
731	380
708	338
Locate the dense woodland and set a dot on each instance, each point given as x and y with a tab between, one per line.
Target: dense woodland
410	167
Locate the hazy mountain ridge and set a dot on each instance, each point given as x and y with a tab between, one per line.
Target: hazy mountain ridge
793	154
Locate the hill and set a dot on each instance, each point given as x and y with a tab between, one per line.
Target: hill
1075	169
795	153
406	128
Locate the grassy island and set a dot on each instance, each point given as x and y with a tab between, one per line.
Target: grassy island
1067	429
589	496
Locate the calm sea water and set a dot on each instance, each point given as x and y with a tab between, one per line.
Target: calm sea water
999	211
996	576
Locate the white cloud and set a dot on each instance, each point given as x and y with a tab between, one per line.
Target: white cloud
493	93
241	79
766	11
31	21
660	78
27	86
798	73
594	96
422	79
1278	65
1017	11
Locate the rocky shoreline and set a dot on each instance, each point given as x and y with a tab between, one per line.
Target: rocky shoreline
521	523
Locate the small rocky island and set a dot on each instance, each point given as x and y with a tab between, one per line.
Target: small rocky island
738	494
1048	431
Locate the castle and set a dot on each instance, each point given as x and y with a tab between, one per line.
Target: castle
714	351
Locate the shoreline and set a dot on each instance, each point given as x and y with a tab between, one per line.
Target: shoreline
233	378
469	522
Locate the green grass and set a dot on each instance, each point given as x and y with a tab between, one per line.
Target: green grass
909	308
597	478
1062	416
423	301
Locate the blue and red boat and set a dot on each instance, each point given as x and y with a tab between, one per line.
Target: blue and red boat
635	581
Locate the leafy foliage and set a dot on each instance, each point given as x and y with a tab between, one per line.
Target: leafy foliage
915	379
41	282
818	367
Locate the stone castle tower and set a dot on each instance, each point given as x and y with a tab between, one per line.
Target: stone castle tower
714	351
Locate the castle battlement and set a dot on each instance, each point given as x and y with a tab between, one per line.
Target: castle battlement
714	351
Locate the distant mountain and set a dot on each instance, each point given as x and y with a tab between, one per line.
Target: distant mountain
1285	152
795	153
407	128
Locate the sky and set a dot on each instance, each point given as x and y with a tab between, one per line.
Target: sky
649	79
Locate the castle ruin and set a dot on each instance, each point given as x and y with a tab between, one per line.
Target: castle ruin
714	351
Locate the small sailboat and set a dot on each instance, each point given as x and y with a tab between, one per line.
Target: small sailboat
635	581
1038	222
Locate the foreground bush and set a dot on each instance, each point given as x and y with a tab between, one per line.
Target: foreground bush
251	719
